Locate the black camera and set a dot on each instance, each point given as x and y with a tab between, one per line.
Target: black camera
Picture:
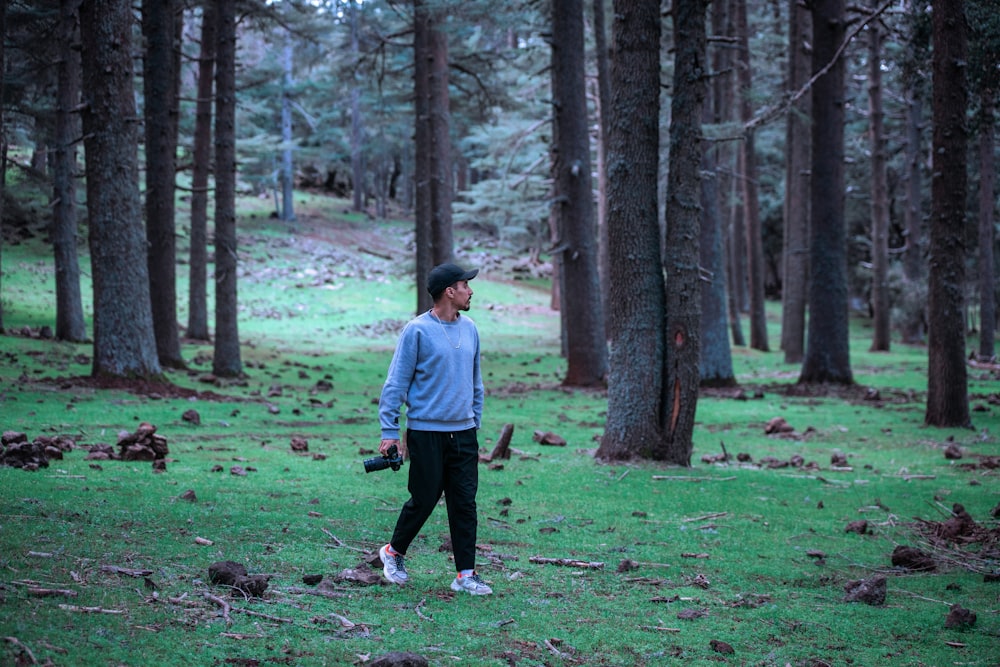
391	459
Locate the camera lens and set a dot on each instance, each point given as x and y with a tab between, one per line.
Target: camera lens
376	464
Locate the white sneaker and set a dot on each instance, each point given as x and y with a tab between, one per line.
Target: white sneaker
392	566
471	584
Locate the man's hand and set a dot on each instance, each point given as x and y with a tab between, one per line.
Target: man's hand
400	445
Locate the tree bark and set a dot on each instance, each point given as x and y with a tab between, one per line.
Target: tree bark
287	154
3	142
586	347
879	194
124	343
723	65
226	361
602	58
440	135
202	168
427	181
357	122
795	276
158	91
69	301
716	362
914	300
827	349
987	236
947	381
683	219
748	180
637	290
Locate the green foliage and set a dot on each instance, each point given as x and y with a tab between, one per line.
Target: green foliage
763	551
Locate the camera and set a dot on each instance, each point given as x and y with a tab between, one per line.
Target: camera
391	459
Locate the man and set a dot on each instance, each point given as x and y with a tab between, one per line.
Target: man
435	372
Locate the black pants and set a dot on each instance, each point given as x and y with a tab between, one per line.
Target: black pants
442	463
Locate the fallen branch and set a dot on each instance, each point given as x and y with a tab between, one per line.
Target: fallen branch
17	642
90	610
909	477
51	592
567	562
222	603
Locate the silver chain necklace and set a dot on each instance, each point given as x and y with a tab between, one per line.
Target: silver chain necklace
445	331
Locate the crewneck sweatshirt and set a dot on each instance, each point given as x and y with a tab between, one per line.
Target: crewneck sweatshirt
435	373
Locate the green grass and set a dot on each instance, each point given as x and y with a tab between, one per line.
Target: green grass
313	311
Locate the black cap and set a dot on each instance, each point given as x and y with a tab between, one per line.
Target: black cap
446	275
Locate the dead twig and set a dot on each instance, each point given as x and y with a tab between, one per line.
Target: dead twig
339	542
714	515
27	651
659	628
420	614
222	603
258	614
685	478
125	572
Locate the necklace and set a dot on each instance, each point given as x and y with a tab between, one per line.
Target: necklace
445	331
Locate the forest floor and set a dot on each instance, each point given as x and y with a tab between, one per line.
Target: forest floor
816	526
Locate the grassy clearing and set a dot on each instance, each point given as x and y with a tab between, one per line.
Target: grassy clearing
758	556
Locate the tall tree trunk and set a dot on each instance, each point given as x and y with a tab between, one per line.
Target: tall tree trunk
3	142
227	361
357	122
124	343
723	64
158	90
795	276
716	362
683	218
751	202
202	167
69	302
441	164
947	381
879	194
638	297
586	346
914	297
435	244
423	203
287	165
828	347
603	59
987	199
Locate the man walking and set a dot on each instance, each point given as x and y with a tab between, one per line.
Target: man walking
435	373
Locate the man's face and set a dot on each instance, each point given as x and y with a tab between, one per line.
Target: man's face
461	294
